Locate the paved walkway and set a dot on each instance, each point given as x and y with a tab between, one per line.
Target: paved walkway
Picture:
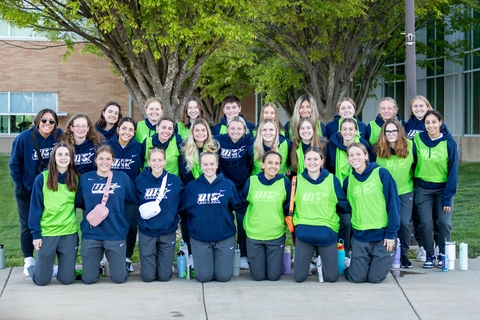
414	294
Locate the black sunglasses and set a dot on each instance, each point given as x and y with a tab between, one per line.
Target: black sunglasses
51	121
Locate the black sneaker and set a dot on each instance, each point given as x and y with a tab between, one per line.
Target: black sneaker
439	262
405	263
430	262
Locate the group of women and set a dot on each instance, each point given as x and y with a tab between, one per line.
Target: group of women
355	182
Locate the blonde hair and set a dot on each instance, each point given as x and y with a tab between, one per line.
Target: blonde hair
190	148
152	99
389	99
343	100
422	98
258	144
296	112
277	120
238	119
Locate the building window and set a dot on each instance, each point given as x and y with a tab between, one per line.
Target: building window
7	31
18	109
472	80
394	87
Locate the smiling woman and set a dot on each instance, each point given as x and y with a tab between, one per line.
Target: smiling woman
30	153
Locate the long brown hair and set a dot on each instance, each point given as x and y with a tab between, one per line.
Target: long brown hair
71	178
297	141
382	148
201	110
92	134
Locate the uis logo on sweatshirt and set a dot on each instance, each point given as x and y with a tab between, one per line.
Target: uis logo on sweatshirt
98	188
364	189
232	153
152	193
266	196
83	158
209	198
44	152
122	163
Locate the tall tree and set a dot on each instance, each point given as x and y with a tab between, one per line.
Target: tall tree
157	46
339	46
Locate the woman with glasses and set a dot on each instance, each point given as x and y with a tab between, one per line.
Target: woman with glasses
394	152
25	163
52	219
85	139
192	110
106	125
129	155
319	203
166	139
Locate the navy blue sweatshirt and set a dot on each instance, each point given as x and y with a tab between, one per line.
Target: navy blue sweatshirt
147	188
84	155
223	122
263	180
23	158
90	193
332	127
107	134
336	143
236	159
450	187
392	201
208	208
325	233
128	159
414	126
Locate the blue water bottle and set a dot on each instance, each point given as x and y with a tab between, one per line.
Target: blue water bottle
341	256
181	264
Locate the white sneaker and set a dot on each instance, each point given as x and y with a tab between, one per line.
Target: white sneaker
190	261
244	263
421	254
29	261
129	265
346	262
55	272
102	263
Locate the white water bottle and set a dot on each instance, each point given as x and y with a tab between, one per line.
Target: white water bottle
463	256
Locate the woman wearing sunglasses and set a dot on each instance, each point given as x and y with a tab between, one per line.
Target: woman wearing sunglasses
25	163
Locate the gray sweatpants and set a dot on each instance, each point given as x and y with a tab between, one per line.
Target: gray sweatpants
66	248
428	203
213	260
303	256
404	233
370	261
266	258
156	256
92	253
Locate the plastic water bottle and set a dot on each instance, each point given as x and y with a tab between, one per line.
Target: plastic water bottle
2	257
319	269
181	264
236	262
341	257
287	262
398	254
183	247
463	256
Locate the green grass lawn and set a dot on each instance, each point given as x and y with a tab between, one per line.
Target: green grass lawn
466	214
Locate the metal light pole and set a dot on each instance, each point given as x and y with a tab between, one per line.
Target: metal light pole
411	64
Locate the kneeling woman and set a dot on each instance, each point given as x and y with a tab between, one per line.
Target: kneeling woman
207	204
372	193
110	235
319	199
52	218
157	235
268	195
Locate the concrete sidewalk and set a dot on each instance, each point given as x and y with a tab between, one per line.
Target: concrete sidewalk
413	294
